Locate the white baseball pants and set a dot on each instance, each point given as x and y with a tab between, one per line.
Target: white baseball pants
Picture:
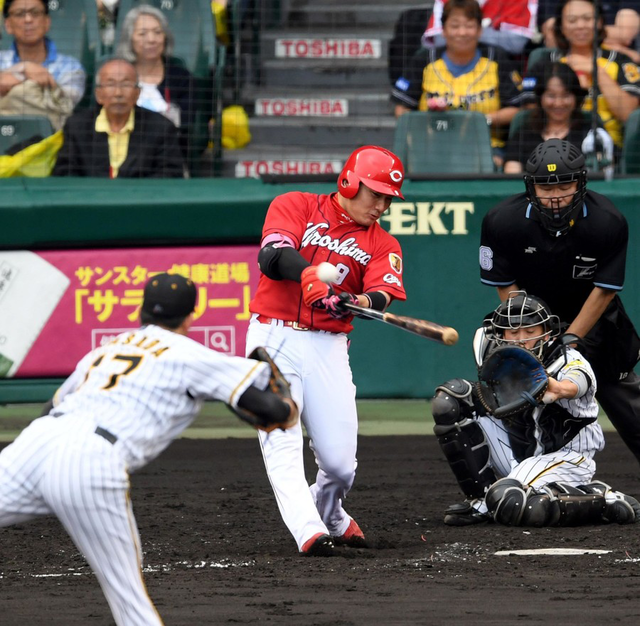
60	466
316	364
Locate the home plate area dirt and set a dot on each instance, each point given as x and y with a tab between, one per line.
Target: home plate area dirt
217	552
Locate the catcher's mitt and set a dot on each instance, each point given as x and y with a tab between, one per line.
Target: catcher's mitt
269	412
510	380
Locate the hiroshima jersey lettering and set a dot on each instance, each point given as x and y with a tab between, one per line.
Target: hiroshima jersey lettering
348	247
368	259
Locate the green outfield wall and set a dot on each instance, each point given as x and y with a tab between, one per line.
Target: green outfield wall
438	226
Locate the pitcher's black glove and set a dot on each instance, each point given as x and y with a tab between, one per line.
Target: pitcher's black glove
510	380
272	403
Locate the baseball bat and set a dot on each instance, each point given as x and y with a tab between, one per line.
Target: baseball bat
430	330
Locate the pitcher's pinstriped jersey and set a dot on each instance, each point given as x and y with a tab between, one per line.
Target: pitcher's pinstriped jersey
569	424
146	386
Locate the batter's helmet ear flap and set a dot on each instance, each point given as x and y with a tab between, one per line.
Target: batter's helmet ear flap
377	168
349	184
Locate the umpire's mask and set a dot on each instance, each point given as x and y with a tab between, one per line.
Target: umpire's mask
558	163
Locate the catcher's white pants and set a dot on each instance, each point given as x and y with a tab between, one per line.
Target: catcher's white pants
59	466
564	465
316	364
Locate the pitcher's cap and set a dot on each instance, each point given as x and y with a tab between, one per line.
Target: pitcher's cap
169	296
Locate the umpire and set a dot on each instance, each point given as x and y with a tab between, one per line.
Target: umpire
568	246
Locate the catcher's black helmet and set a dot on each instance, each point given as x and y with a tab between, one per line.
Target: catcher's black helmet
556	162
522	311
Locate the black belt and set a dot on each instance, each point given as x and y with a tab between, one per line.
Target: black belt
105	434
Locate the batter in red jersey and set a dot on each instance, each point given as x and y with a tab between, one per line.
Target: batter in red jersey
304	325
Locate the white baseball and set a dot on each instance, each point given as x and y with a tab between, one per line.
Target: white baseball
328	273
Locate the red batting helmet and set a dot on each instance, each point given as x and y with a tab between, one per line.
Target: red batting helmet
376	168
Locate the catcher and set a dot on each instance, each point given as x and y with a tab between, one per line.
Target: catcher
521	441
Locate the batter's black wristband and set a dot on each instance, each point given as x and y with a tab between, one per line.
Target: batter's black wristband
377	300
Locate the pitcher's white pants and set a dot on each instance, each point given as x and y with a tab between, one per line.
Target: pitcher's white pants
316	364
59	466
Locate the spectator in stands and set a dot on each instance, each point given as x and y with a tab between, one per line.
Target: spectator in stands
622	33
621	19
510	25
618	78
463	75
557	115
34	78
165	85
119	140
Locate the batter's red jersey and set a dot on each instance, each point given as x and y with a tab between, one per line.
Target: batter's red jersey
368	259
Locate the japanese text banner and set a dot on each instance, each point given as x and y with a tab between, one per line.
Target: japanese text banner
55	306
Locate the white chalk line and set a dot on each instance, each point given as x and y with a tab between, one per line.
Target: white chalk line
164	567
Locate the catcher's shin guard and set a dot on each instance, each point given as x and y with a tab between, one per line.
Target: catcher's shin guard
556	504
619	507
461	439
576	505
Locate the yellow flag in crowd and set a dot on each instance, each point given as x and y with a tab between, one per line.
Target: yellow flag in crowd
36	160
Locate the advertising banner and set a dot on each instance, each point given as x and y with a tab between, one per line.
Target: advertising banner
55	306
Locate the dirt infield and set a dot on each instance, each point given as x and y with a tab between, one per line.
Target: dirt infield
216	551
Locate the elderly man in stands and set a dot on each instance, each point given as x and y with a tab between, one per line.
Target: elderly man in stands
120	139
34	78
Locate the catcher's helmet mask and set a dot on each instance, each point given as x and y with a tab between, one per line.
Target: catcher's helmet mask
522	311
556	162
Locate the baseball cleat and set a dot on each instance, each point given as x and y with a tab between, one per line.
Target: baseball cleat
319	545
352	537
464	514
623	509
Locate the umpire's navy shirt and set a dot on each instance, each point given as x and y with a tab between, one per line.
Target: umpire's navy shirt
516	248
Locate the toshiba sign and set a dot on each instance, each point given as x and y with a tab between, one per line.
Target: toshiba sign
302	107
328	48
247	169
